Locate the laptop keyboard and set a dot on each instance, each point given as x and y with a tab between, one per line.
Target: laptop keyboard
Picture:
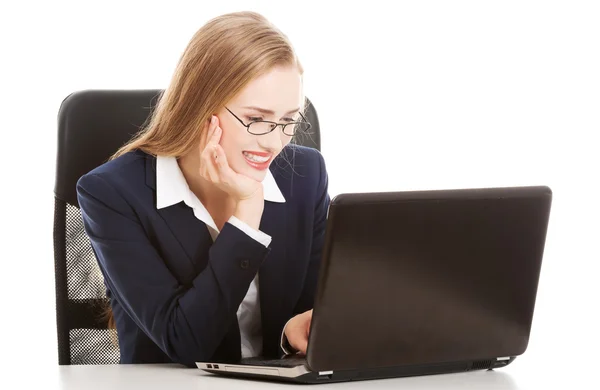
286	362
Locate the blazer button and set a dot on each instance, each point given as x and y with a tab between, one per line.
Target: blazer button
245	264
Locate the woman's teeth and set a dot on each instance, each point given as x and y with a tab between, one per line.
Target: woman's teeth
255	158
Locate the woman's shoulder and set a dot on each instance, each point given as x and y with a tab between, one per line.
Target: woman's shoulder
125	164
125	173
299	170
301	159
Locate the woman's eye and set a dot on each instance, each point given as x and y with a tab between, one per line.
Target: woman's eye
258	118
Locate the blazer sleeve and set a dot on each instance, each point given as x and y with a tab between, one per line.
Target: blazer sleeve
187	322
307	297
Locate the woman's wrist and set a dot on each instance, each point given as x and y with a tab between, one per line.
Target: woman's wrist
250	211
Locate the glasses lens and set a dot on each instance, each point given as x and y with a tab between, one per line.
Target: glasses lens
296	128
260	128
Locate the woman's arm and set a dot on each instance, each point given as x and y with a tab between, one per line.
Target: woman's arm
307	297
187	322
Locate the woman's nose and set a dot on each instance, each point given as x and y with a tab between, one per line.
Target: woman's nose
272	141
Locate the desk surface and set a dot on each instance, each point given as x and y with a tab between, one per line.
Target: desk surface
155	376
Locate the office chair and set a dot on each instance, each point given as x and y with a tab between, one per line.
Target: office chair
92	125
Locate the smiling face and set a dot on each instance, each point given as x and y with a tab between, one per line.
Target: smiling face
275	96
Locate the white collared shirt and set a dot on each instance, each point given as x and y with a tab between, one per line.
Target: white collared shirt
172	188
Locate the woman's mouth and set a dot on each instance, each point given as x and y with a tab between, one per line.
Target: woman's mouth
258	160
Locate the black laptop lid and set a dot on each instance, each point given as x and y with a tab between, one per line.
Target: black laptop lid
428	277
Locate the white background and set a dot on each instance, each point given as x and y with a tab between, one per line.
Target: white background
410	95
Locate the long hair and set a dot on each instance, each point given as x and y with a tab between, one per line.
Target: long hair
222	57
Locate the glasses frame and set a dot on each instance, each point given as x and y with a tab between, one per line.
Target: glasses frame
283	125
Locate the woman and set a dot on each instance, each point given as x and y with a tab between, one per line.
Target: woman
208	226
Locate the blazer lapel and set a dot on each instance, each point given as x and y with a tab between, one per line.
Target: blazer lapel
192	234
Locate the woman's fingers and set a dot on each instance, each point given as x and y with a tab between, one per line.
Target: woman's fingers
208	132
207	138
298	331
215	135
308	319
208	155
205	145
225	172
303	345
215	167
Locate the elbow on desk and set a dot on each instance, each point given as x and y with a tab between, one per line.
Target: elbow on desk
186	346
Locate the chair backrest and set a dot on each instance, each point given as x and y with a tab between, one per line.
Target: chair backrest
92	125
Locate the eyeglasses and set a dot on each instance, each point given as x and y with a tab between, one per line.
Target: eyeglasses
265	127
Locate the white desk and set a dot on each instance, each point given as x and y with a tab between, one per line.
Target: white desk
151	377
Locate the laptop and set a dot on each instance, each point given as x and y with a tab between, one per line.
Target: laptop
419	283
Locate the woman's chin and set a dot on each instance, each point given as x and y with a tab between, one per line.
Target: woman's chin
257	175
253	173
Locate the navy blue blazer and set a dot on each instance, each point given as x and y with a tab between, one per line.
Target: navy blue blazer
175	293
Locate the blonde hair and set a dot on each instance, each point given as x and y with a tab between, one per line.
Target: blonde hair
222	57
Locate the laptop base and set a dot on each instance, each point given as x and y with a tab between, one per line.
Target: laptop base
302	374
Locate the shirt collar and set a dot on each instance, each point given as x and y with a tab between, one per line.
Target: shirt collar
172	188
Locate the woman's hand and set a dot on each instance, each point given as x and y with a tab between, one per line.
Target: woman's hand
246	192
297	330
214	168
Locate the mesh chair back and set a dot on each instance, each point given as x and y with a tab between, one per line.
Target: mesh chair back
92	125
